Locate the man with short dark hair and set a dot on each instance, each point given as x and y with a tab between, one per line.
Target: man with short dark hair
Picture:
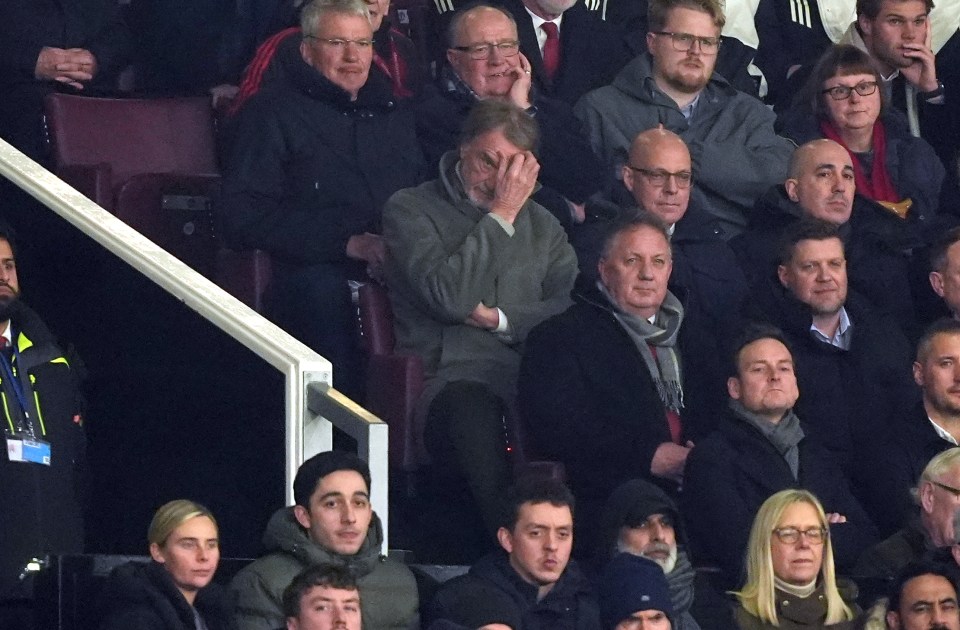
923	596
474	264
314	159
945	270
735	152
323	597
759	448
533	566
331	523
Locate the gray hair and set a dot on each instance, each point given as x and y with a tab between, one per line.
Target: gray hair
517	126
318	10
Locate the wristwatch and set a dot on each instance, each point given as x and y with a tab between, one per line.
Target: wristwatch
932	94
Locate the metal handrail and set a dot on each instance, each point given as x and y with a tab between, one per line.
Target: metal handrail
311	404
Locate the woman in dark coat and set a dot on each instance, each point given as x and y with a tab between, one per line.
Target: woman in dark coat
175	590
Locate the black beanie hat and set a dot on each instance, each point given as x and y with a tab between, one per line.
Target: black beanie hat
630	583
319	466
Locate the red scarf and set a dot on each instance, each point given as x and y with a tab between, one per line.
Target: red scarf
395	67
879	187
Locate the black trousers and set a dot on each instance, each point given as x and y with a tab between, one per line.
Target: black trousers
466	433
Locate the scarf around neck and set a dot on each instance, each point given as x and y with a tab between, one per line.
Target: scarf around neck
784	436
879	186
680	582
664	369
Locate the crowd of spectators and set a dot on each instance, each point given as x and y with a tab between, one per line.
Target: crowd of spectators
734	325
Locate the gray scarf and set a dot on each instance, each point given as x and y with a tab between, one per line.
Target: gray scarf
785	436
662	333
680	581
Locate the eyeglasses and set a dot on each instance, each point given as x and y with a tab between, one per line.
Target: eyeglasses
791	535
842	92
483	51
659	177
339	43
954	491
682	42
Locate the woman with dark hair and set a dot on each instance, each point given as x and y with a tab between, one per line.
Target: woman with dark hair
844	100
175	591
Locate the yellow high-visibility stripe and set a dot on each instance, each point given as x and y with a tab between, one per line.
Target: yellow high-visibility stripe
6	410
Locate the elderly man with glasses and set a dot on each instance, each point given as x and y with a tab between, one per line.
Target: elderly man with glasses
315	158
730	135
484	62
932	527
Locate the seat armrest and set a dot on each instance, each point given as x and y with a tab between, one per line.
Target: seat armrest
394	385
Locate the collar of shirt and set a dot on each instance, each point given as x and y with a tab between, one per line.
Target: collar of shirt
537	21
691	107
8	334
840	338
942	433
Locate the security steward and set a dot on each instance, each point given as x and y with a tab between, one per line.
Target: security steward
44	448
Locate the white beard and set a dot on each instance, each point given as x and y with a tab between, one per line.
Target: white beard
667	564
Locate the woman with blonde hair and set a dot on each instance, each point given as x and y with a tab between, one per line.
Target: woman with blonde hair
175	590
791	582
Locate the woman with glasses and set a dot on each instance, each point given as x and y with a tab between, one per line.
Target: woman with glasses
791	582
844	100
175	591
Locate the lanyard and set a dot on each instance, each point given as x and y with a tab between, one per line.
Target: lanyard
15	383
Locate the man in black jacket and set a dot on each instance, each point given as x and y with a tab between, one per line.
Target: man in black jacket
313	162
41	472
534	568
759	448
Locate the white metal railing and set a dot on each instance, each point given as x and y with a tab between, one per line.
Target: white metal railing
312	405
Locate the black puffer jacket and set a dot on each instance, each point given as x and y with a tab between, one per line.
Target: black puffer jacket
310	168
143	596
570	604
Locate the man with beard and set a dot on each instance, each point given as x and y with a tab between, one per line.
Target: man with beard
924	597
735	152
45	446
640	518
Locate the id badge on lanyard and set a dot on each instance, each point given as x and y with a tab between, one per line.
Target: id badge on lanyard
23	445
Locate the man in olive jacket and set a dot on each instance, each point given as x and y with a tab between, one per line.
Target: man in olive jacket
331	523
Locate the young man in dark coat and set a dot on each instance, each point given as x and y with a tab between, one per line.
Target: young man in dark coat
313	162
634	421
534	567
44	461
760	448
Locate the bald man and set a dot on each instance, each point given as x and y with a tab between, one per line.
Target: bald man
820	185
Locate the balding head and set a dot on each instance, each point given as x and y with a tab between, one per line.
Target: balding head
656	153
821	181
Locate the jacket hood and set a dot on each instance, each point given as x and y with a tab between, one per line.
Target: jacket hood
636	80
630	505
285	534
774	209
